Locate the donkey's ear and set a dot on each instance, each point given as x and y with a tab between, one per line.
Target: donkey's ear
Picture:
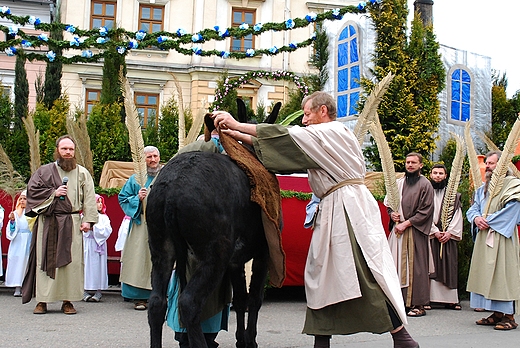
271	119
209	126
242	111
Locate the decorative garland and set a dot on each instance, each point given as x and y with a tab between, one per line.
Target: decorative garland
123	41
234	82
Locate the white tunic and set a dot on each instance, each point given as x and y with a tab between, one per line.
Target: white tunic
95	254
335	149
18	254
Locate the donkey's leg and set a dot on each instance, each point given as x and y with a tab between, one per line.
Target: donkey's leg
209	268
238	281
256	295
163	258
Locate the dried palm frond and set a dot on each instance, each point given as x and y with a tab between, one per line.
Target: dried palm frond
453	183
387	163
370	109
135	135
77	128
34	142
492	147
497	178
11	182
197	124
474	167
180	103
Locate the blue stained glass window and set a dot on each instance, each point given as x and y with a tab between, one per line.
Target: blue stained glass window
460	95
354	77
344	34
465	92
342	105
354	98
343	84
466	112
455	111
353	51
348	71
455	90
465	76
456	75
342	54
352	30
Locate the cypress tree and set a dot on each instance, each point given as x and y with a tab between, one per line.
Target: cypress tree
110	86
21	92
53	71
409	110
319	59
17	146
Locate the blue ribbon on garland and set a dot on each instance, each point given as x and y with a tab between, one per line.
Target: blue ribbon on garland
124	41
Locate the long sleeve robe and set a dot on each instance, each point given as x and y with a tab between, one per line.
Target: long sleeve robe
136	261
348	232
444	279
19	234
95	254
494	274
416	205
68	281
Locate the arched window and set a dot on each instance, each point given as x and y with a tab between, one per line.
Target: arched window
348	71
459	103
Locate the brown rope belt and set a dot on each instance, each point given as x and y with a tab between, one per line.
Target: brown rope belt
356	181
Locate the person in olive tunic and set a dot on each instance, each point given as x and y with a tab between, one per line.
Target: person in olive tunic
350	280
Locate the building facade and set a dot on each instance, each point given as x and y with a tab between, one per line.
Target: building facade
152	72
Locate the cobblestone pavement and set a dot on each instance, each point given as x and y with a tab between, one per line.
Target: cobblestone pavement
114	323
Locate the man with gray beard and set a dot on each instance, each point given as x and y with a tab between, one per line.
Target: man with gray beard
494	280
136	262
409	236
444	244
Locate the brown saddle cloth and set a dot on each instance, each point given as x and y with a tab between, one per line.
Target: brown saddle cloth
265	191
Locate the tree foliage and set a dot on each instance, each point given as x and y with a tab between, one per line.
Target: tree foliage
110	85
21	93
57	126
168	133
409	110
108	136
503	111
6	114
53	71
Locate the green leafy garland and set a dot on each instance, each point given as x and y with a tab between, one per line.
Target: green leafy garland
302	196
232	83
21	43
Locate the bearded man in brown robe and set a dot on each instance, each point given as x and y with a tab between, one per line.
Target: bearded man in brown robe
409	236
56	194
444	242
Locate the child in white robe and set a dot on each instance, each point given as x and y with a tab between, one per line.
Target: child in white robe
95	254
19	233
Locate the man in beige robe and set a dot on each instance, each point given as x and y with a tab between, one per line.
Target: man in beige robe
350	280
55	270
136	261
494	273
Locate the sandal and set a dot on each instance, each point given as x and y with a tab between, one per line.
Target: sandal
427	307
493	319
507	323
479	309
416	312
454	306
